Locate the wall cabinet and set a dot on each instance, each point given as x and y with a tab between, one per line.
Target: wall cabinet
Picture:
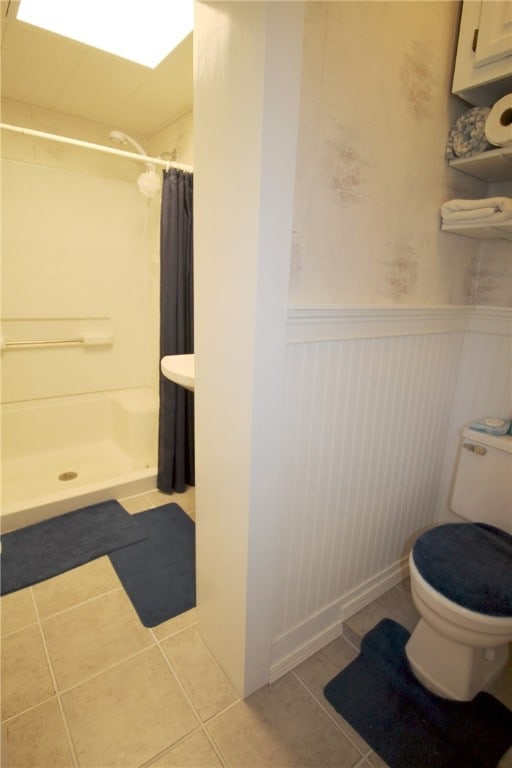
483	64
482	75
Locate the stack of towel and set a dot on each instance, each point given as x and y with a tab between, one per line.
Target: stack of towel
489	210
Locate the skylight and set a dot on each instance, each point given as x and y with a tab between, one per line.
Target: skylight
143	32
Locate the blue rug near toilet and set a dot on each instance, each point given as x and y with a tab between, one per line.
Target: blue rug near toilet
408	726
46	549
158	573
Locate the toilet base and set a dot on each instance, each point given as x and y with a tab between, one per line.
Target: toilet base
450	669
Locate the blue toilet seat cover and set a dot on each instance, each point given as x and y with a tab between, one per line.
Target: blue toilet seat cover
470	564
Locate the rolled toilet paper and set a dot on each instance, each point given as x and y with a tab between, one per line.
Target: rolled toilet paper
498	126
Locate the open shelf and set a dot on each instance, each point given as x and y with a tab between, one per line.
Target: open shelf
493	165
501	231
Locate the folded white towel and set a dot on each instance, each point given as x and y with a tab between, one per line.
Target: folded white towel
495	208
484	220
476	213
490	215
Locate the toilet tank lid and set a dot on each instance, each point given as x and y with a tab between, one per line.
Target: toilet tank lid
501	442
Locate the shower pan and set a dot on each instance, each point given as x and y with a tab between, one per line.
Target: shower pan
83	449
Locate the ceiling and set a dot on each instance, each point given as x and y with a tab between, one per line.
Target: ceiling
53	72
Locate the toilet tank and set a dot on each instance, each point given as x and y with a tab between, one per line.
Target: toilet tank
482	489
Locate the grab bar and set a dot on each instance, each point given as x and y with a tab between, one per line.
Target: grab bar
87	340
41	342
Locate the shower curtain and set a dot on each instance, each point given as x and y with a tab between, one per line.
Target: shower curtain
176	417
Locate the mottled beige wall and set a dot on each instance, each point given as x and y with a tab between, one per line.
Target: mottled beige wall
375	113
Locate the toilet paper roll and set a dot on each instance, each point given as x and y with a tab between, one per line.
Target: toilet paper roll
498	126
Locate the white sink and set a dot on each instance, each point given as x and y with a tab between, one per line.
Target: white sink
180	369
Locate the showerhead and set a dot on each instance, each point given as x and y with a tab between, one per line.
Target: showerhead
118	136
149	182
123	138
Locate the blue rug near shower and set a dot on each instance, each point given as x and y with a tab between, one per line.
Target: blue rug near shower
158	573
46	549
406	724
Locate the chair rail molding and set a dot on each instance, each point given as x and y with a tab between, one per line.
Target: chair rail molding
314	324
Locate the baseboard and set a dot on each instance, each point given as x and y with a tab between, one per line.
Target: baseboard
305	639
303	653
301	641
364	594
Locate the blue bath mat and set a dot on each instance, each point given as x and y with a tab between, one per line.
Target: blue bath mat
43	550
407	725
159	573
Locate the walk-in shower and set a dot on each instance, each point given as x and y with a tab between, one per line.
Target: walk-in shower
79	347
80	323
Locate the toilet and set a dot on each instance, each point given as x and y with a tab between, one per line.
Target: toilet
461	576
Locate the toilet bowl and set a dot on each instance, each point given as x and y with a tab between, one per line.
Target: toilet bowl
461	583
454	651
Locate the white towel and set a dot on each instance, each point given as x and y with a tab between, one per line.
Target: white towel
491	209
484	220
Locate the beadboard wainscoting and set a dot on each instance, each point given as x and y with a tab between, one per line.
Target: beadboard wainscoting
369	417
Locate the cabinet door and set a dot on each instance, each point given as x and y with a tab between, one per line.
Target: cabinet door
494	32
485	81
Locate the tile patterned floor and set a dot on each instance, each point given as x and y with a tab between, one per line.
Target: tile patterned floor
85	685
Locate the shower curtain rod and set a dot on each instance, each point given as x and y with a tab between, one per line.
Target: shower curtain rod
98	147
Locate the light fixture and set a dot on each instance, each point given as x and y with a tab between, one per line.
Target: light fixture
141	32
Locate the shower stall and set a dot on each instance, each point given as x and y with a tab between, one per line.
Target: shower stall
80	317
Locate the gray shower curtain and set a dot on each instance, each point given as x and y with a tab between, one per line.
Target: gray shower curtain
176	417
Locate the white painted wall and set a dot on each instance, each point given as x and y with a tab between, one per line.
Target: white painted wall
247	74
